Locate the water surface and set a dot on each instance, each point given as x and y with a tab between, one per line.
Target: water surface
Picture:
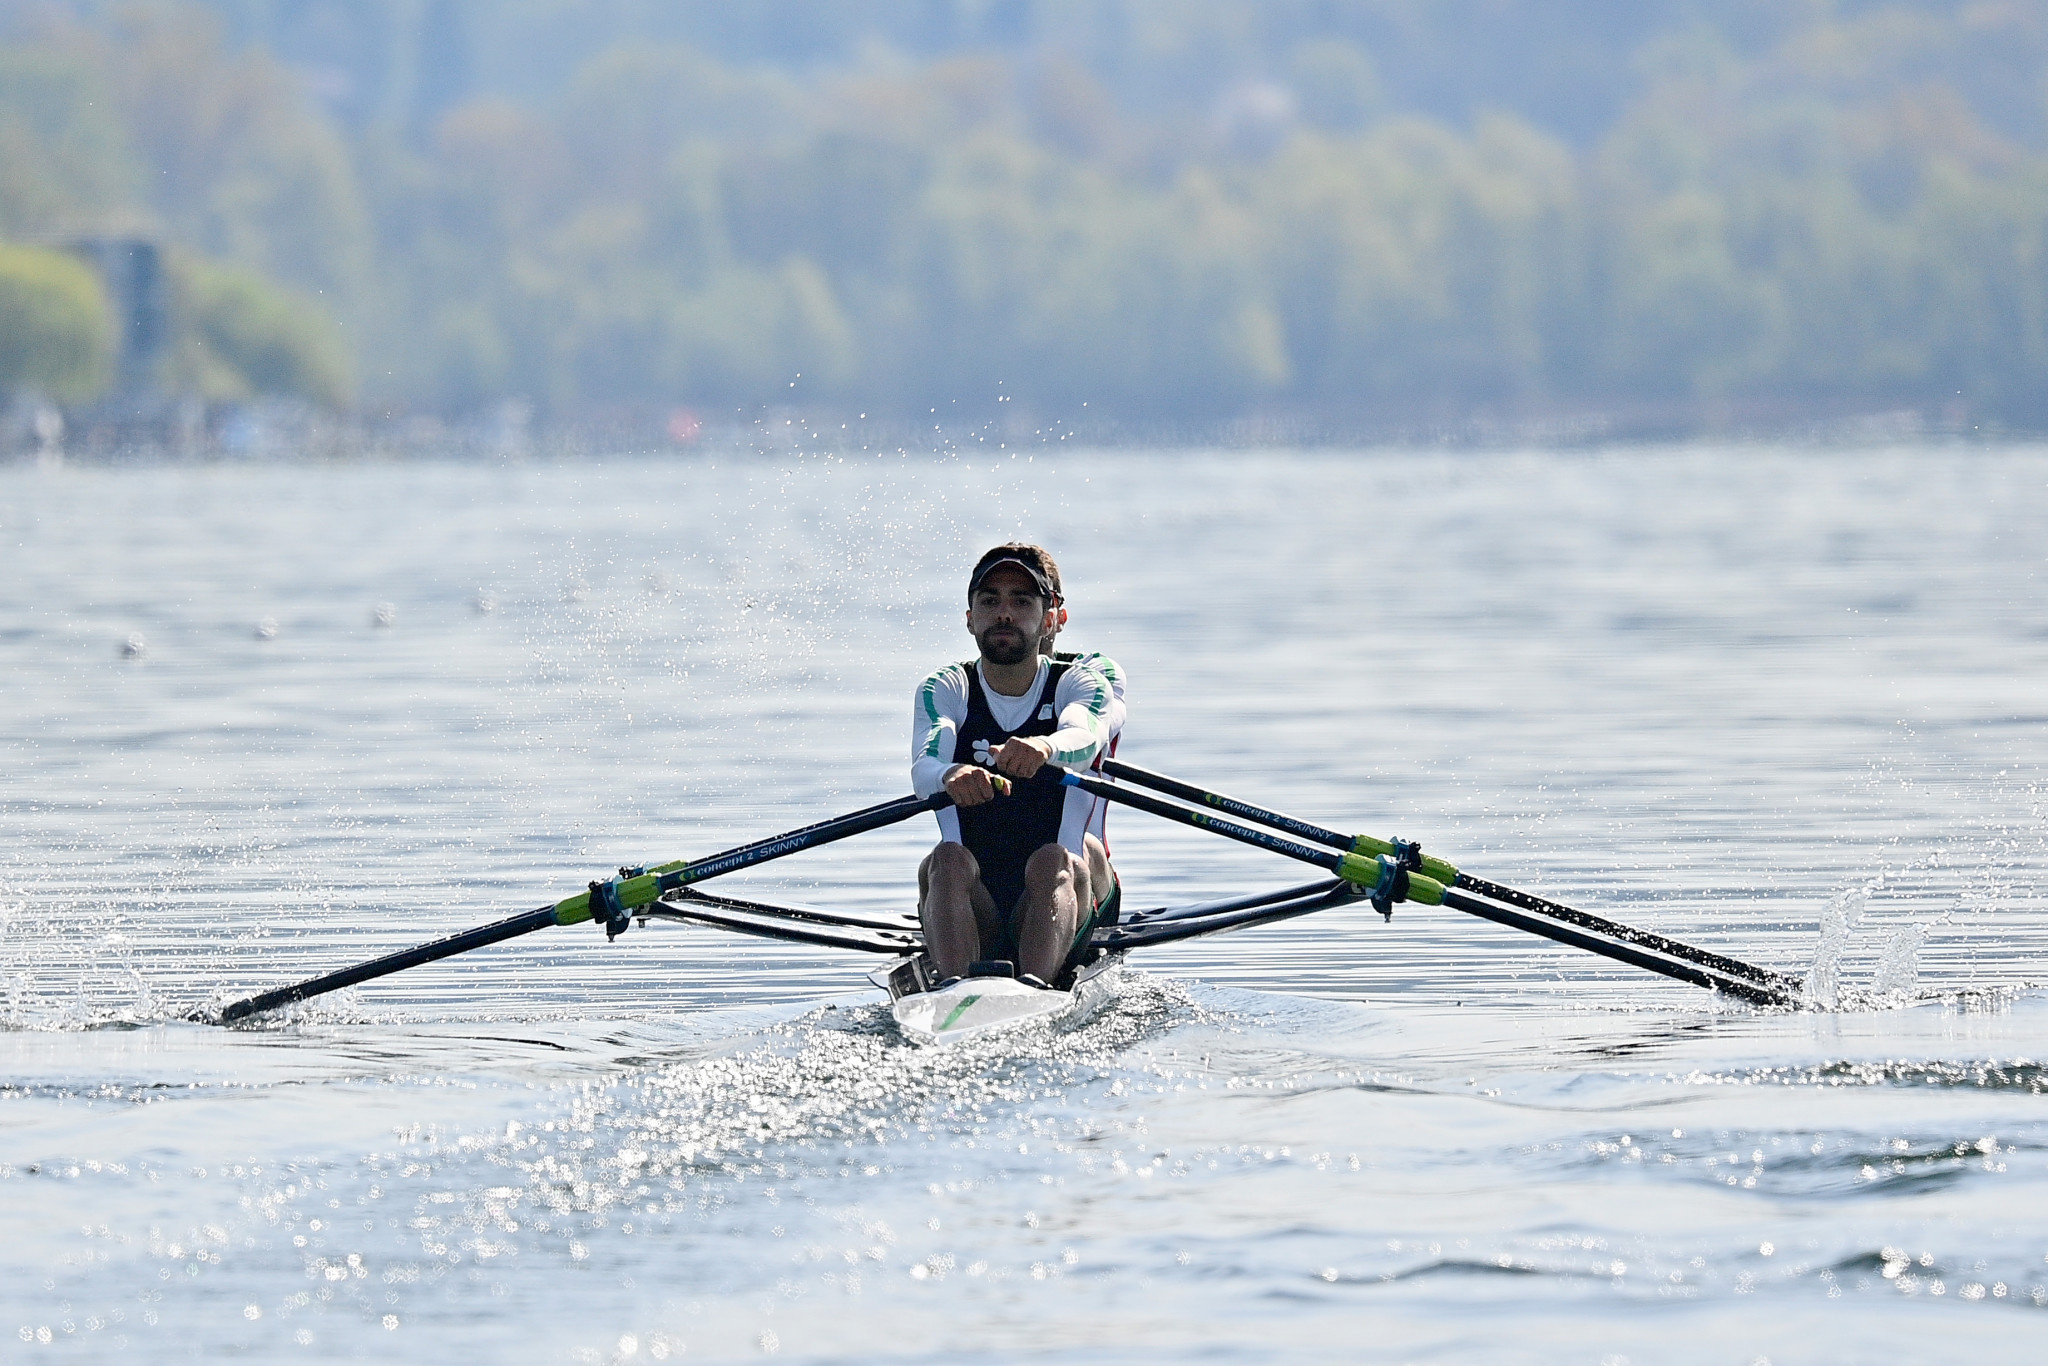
259	721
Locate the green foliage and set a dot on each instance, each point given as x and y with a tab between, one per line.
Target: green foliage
64	157
1410	261
238	335
243	167
1159	210
55	333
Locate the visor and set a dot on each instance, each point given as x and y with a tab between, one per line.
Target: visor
1037	577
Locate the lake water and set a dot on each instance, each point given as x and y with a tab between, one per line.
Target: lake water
259	721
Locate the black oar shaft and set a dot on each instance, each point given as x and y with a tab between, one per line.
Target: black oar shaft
1640	949
576	908
1621	953
1202	820
1778	983
502	930
809	837
1188	792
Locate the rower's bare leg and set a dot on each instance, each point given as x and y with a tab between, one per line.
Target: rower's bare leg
1056	886
1100	879
957	911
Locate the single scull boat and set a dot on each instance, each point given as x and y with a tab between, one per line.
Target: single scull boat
1360	868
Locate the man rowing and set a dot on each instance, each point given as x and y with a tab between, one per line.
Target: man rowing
1016	876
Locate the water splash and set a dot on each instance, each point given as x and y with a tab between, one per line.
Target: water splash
1898	971
1895	982
1845	909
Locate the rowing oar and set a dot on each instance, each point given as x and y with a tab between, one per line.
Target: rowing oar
1450	876
611	902
1396	870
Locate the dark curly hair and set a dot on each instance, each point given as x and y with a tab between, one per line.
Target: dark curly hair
1037	556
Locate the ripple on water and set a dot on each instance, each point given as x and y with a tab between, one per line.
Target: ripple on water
1802	1164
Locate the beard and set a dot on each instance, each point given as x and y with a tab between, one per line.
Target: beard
1005	645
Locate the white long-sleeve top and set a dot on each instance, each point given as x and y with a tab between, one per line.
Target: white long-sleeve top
1085	705
1098	812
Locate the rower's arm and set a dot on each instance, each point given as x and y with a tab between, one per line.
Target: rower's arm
1084	700
1113	675
937	711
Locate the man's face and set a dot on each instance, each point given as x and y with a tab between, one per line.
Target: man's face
1007	616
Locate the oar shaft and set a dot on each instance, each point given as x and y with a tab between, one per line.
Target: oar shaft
632	892
1621	953
1202	820
646	887
1365	846
810	837
1776	982
1643	950
837	827
502	930
1188	792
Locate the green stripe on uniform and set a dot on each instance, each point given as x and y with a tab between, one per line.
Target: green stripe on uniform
925	696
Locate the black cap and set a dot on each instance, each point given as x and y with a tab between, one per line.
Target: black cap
996	559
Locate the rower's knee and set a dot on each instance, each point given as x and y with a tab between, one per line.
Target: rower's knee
1049	866
950	860
948	866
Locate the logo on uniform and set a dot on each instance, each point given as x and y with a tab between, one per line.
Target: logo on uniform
982	756
1045	712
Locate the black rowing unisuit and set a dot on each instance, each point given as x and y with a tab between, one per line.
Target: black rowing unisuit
1004	834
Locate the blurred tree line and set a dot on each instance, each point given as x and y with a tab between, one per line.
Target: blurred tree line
1180	211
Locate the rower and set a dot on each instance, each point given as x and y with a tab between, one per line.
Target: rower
1011	879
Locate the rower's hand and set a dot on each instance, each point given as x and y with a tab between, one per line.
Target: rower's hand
971	784
1022	756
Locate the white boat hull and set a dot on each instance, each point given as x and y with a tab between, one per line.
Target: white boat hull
977	1006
